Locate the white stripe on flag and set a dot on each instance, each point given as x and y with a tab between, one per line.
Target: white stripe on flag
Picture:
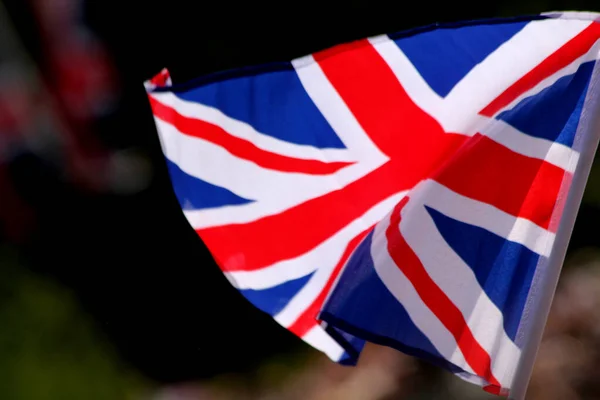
320	340
503	67
245	131
483	215
543	149
336	112
591	55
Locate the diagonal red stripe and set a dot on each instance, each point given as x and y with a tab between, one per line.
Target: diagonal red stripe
485	170
435	298
562	57
308	318
239	147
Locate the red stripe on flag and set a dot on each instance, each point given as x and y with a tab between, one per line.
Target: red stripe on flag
435	298
494	389
415	143
491	173
322	55
308	318
239	147
562	57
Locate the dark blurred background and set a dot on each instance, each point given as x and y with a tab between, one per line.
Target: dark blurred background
107	293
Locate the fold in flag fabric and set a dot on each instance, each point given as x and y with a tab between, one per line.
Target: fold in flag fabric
405	189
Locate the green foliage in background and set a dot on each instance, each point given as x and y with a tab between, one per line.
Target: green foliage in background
49	347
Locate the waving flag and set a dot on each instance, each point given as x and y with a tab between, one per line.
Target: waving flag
429	167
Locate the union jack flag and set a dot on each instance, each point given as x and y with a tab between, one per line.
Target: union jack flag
402	189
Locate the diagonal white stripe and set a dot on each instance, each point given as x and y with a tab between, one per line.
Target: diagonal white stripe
409	77
552	152
591	55
503	67
486	216
320	340
245	131
336	112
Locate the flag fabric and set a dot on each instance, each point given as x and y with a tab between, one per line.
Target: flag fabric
404	189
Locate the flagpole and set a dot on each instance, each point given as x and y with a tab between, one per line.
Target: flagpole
590	121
